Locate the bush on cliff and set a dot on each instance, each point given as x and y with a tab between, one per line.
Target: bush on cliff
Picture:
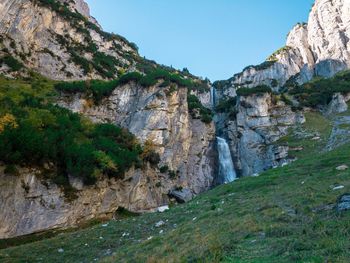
252	91
320	91
36	132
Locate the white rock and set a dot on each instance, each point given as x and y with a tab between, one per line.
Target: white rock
163	208
339	187
342	167
160	223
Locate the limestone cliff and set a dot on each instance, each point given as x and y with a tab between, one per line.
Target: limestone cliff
318	48
61	40
252	129
30	204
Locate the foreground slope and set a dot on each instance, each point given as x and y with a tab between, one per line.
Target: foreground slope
287	214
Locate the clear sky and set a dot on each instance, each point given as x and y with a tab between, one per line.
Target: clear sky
212	38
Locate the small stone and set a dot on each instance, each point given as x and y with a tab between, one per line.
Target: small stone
161	231
342	167
149	238
317	138
194	219
162	209
60	250
343	203
338	187
160	223
104	225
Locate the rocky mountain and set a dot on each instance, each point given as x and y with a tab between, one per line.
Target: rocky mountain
61	41
101	77
317	48
254	123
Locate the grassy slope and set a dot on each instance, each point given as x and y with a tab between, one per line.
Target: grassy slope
277	217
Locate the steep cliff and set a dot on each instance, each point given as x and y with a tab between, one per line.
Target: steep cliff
318	48
60	40
253	125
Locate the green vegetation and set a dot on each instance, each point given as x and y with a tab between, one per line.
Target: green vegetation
226	105
320	91
273	57
100	89
197	110
301	139
33	131
262	66
11	62
251	91
284	215
77	20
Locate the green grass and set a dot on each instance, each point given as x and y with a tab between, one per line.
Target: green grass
276	217
316	125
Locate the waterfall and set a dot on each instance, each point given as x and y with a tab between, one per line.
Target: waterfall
227	171
212	97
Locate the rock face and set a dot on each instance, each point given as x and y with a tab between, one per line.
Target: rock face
259	122
30	204
318	48
49	41
155	114
161	116
338	104
60	45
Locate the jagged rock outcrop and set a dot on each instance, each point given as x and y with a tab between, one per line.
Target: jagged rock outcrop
161	116
338	104
318	48
258	123
66	43
50	40
186	147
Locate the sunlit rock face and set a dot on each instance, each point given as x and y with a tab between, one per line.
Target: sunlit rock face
45	40
42	41
253	132
318	48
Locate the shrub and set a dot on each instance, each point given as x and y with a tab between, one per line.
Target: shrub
164	169
11	170
226	105
11	62
320	91
47	133
194	105
172	174
149	154
251	91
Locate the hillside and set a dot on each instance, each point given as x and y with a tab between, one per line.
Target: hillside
287	214
96	141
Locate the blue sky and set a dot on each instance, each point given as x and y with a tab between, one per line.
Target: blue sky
212	38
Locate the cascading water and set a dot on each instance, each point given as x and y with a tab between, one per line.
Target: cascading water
227	173
212	96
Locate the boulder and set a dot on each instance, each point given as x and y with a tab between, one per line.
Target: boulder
182	196
343	203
